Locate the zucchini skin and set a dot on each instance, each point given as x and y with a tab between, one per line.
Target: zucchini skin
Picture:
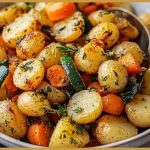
72	73
3	71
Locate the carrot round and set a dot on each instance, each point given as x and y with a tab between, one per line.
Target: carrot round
98	88
39	134
57	77
9	84
59	10
89	9
113	104
132	65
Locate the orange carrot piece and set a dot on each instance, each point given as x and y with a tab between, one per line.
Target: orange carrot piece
128	60
39	134
54	118
57	77
89	9
59	10
87	79
113	104
98	43
98	88
9	84
14	99
14	61
2	43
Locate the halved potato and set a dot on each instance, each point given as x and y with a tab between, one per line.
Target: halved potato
66	135
85	106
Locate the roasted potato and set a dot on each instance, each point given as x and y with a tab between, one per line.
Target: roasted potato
12	121
3	54
89	57
32	104
112	76
129	47
107	32
30	45
110	129
18	28
69	29
50	55
54	95
126	28
138	112
85	106
145	88
66	135
101	16
29	74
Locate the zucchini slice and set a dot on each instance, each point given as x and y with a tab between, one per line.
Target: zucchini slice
3	70
72	73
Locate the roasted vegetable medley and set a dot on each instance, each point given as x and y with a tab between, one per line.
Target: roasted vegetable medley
71	75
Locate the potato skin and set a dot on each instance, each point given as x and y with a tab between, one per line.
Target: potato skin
89	102
138	112
65	135
12	121
110	129
32	104
30	45
54	95
145	88
69	29
89	57
107	32
50	55
101	16
18	28
29	74
112	76
128	47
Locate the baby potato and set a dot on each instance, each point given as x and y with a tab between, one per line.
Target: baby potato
145	17
66	135
145	88
32	104
138	112
112	76
29	74
126	28
50	55
110	129
54	95
129	47
89	57
30	45
107	32
101	16
8	14
18	28
69	29
85	106
12	121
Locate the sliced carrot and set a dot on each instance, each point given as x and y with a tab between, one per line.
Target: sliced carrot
57	77
14	99
87	79
59	10
2	43
98	88
98	43
9	84
14	61
54	118
113	104
39	134
89	9
128	60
